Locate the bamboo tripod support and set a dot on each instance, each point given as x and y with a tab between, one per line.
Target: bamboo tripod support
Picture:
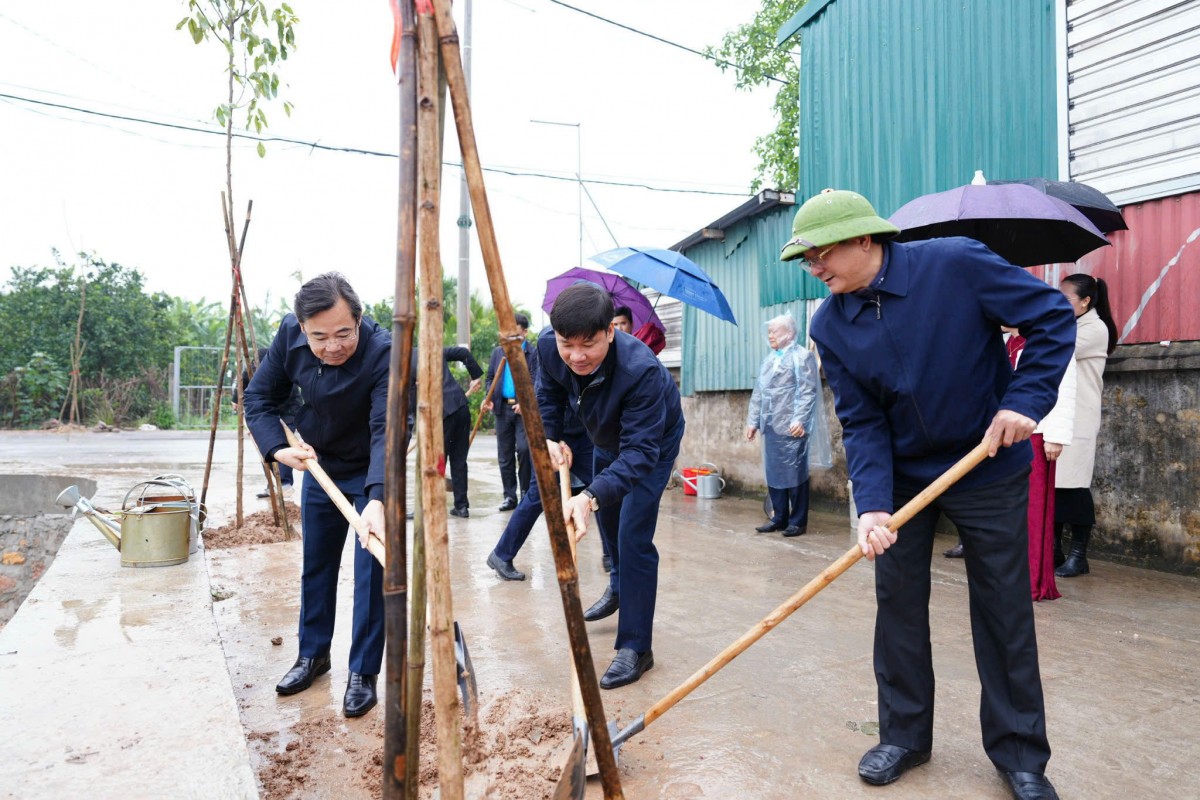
511	338
447	711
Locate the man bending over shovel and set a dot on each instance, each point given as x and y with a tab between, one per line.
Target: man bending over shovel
910	342
339	358
629	405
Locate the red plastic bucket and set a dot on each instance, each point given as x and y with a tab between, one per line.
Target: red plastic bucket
690	473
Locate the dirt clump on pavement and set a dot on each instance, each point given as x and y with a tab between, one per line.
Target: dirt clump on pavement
257	528
516	753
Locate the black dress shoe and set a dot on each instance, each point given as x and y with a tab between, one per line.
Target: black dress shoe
606	562
626	668
1030	786
302	673
609	602
263	493
954	552
770	527
508	505
504	569
884	763
794	530
360	695
460	512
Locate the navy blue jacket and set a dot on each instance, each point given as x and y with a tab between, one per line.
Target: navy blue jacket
453	396
918	378
344	415
627	409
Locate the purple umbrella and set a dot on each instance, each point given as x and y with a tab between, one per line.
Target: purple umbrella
1018	223
622	293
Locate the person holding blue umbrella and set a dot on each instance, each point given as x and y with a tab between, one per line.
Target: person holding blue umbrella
630	407
910	343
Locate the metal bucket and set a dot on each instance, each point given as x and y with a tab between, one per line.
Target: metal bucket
183	497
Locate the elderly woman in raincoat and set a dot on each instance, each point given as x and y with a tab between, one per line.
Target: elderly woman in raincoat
786	406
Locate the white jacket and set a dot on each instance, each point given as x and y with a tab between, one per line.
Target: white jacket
1058	426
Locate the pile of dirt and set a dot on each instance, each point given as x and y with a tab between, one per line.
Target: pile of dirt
257	528
516	753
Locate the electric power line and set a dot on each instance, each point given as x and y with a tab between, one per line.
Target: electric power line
357	150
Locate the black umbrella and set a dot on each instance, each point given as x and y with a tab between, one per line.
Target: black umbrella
1016	221
1090	201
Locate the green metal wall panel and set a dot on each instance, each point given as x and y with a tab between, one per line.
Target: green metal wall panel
898	99
719	356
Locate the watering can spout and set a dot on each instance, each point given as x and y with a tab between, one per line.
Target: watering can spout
70	498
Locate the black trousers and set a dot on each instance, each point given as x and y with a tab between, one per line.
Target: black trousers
456	436
512	453
992	523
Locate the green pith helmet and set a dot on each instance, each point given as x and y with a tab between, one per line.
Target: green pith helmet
833	216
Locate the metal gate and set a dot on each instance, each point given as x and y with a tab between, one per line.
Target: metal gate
194	386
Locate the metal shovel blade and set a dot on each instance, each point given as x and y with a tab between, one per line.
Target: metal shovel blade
593	766
572	783
466	673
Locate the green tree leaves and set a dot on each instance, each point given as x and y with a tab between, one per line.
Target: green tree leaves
758	60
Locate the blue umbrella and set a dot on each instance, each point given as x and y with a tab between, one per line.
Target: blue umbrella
670	273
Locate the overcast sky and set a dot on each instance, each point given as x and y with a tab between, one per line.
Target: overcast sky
149	197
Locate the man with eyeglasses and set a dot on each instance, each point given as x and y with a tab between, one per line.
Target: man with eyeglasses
339	359
910	342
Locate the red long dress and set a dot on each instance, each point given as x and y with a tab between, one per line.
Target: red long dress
1041	507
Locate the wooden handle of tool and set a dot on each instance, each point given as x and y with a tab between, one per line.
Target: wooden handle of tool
910	510
492	388
374	545
564	481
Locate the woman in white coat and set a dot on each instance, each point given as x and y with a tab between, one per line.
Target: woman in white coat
1095	339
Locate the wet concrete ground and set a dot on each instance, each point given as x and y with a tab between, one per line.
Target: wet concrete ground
790	717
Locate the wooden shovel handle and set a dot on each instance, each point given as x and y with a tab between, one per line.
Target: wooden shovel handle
910	510
564	482
492	388
374	544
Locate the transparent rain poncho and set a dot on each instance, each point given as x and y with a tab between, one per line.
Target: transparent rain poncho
788	391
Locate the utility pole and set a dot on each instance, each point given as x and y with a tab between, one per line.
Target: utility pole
464	209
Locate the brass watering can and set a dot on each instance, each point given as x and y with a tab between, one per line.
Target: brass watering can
157	531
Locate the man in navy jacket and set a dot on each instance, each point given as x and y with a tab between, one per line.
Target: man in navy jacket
339	359
910	343
629	406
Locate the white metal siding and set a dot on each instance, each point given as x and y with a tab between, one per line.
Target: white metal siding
1134	96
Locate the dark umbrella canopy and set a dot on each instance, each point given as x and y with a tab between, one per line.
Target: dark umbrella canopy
622	293
1088	200
670	273
1016	221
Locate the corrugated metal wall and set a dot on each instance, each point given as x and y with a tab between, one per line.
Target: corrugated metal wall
720	356
1152	271
899	99
1134	93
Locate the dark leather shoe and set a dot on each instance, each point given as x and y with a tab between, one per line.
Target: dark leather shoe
884	763
460	512
608	603
1030	786
508	505
770	527
606	562
263	493
360	695
504	569
626	668
302	673
794	530
954	552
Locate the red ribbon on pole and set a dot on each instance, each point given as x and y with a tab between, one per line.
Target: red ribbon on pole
397	29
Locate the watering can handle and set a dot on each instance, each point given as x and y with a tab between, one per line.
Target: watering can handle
715	469
125	502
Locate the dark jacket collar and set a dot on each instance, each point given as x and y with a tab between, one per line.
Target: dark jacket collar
896	270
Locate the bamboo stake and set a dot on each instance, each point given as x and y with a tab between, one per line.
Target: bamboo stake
416	652
216	418
491	389
402	719
512	338
429	407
